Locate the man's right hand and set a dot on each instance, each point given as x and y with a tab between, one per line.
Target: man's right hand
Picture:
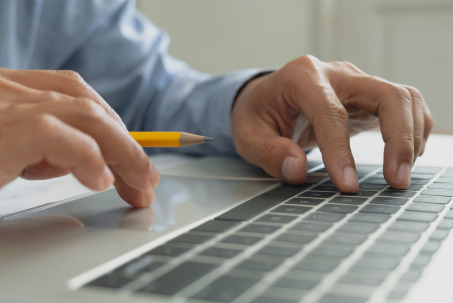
52	123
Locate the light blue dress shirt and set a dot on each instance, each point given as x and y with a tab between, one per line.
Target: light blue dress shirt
123	56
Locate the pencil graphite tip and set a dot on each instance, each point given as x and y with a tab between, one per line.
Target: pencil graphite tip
208	139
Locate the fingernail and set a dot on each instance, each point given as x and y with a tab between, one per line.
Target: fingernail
404	173
290	169
107	177
350	177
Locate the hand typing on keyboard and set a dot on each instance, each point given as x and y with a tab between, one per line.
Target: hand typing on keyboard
309	103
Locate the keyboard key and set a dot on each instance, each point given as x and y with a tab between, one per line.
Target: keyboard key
225	289
426	170
317	194
445	224
348	200
368	272
328	217
359	227
441	186
409	226
216	226
346	238
385	264
241	240
273	300
430	247
417	216
336	298
276	219
225	253
314	227
375	181
397	193
315	266
449	214
369	218
259	228
291	209
332	251
278	251
361	193
396	250
400	290
258	265
438	192
421	261
346	279
342	209
169	251
443	179
295	283
425	207
192	238
295	238
414	187
399	237
331	188
178	278
389	201
439	235
411	275
111	281
422	176
305	201
419	181
432	199
380	209
136	266
371	186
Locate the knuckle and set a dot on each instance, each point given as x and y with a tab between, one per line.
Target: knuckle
87	107
49	95
72	76
334	112
43	124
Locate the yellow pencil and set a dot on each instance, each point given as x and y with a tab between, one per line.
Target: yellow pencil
167	139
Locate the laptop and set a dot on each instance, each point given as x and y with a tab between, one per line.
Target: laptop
221	230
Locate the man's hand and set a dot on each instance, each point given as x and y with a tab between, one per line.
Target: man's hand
53	123
309	103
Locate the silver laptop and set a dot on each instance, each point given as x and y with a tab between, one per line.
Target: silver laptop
239	237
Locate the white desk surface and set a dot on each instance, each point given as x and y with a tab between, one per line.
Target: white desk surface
368	147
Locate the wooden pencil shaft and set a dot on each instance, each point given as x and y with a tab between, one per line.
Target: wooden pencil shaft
167	139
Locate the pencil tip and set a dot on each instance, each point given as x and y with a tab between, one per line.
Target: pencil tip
208	139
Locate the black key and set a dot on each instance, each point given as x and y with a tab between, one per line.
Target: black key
225	253
397	193
257	205
417	216
426	170
375	181
409	226
399	237
430	247
259	228
369	218
305	201
441	186
358	227
418	181
192	238
241	240
295	283
216	226
178	278
422	176
153	266
328	217
291	209
278	251
361	193
134	267
295	238
445	224
414	187
332	251
431	199
420	261
258	265
371	186
385	264
395	250
317	194
169	251
342	209
442	179
439	235
438	192
346	238
368	272
425	207
324	267
314	227
272	300
276	219
411	275
449	214
347	279
225	289
389	201
348	200
111	281
380	209
326	188
336	298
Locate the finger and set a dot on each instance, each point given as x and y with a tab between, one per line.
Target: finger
46	138
62	81
132	196
328	117
418	118
43	170
428	123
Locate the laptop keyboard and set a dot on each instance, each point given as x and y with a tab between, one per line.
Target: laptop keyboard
307	243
